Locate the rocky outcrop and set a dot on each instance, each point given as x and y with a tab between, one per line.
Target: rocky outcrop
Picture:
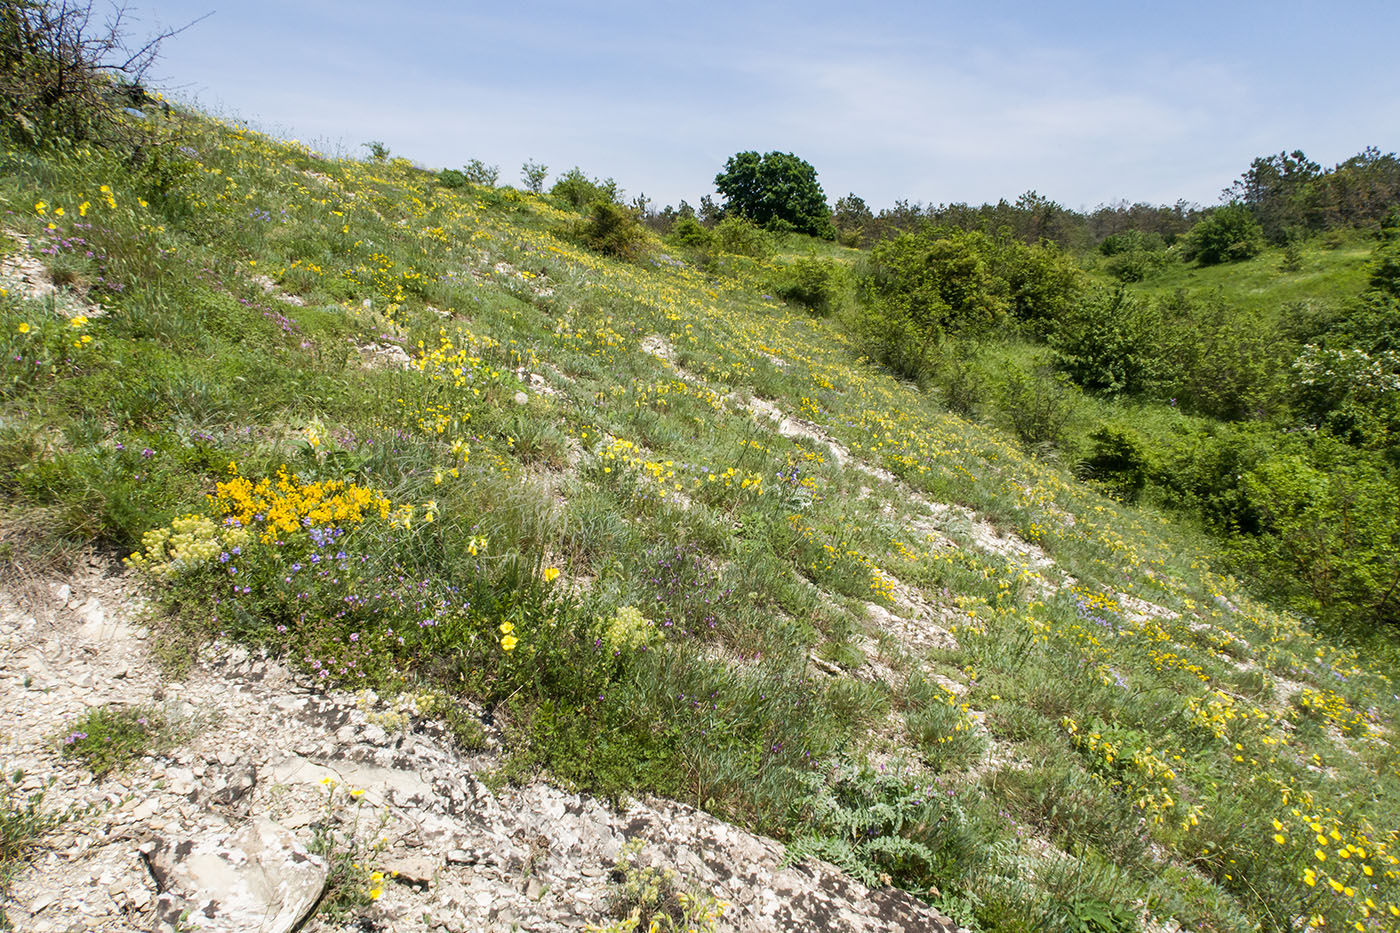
218	832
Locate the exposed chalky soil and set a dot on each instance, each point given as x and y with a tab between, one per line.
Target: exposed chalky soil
219	831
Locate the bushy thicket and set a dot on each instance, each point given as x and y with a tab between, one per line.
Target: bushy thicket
919	288
1229	234
1294	463
69	73
578	191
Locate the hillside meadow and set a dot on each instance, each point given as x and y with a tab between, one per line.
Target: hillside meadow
672	535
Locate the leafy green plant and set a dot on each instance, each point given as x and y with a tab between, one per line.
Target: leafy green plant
478	172
533	174
740	236
884	829
107	738
652	900
688	232
1039	407
23	821
1120	460
578	191
613	229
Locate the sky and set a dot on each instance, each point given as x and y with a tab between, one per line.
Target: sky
1085	103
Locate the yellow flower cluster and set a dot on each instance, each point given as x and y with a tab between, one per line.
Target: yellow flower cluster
1332	707
285	505
458	360
628	630
1348	861
187	542
1143	774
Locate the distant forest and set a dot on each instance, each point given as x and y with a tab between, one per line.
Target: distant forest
1288	194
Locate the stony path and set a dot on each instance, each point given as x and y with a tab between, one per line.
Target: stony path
213	834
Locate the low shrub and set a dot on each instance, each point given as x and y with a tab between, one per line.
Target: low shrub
1039	407
107	738
815	284
613	230
742	237
1120	461
1111	342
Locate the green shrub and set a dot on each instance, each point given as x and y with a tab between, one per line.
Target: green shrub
614	230
1136	265
578	191
1329	528
1120	461
690	233
815	284
57	68
533	174
939	280
1039	407
1131	241
1229	234
1043	282
477	172
742	237
894	341
1219	361
1111	343
451	178
106	738
957	371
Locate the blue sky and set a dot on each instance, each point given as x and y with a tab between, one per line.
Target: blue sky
1086	103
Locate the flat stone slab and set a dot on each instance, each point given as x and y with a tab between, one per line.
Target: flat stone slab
257	879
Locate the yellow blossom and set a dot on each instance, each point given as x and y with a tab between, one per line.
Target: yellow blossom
550	573
509	642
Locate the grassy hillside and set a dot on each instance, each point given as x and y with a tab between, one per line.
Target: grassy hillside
1331	269
672	536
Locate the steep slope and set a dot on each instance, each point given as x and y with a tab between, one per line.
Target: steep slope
667	535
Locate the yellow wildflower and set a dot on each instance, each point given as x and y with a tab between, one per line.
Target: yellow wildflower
550	573
509	642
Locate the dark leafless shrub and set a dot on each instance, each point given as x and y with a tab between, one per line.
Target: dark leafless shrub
67	69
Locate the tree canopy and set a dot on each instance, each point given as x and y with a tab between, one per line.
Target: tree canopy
777	190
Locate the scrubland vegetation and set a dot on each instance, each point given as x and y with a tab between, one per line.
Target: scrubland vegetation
959	616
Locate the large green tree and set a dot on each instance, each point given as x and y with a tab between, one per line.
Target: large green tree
778	191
